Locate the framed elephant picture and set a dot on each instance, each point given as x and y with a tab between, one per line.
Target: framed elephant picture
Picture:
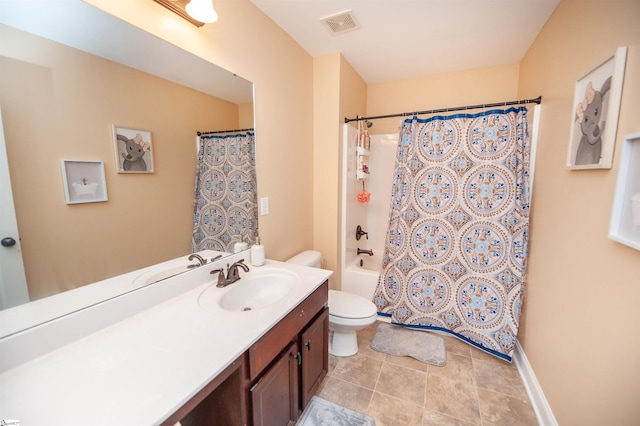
596	105
134	151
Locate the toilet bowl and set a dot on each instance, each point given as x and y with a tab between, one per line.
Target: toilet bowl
348	312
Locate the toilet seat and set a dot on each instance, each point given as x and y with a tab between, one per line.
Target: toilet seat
350	306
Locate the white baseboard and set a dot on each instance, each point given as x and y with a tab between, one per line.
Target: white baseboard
538	401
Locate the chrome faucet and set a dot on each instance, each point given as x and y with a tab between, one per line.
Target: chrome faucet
200	260
232	273
369	252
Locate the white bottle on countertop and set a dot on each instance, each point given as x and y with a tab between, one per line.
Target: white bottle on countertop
257	253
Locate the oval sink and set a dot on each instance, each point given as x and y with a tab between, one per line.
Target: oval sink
160	273
257	291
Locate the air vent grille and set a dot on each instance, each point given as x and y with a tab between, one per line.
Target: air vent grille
341	22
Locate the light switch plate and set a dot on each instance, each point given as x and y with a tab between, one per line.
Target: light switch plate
264	206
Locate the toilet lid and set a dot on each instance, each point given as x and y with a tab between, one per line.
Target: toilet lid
349	305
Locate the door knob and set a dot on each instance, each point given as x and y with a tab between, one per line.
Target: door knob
8	242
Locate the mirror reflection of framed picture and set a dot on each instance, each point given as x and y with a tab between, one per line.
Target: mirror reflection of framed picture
596	105
134	151
625	217
83	181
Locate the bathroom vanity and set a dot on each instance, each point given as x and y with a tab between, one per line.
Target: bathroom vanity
186	353
272	382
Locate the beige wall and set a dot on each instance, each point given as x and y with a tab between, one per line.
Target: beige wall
326	98
580	328
246	42
486	85
61	103
339	92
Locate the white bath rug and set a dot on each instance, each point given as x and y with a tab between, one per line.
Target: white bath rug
418	344
321	412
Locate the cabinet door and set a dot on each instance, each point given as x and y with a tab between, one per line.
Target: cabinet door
315	355
275	396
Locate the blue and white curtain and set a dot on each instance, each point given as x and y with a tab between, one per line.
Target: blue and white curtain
456	247
225	192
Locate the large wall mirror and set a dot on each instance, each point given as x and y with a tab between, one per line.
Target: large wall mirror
69	73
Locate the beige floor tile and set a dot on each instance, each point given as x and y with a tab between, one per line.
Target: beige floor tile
498	409
479	354
407	361
458	368
333	361
455	345
358	369
390	411
346	394
473	389
431	418
404	383
365	336
499	376
452	398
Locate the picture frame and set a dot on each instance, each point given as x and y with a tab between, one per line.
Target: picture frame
83	181
625	216
596	106
133	149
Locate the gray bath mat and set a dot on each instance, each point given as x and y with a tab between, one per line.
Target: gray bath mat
399	341
321	412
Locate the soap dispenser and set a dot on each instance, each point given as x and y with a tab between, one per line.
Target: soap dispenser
240	245
257	253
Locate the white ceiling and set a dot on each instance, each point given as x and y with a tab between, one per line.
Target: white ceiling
400	39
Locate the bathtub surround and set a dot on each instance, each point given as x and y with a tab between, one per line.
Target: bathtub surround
398	341
456	246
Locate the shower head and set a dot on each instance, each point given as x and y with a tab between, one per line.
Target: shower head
368	124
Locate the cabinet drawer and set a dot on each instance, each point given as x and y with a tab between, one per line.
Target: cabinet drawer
265	350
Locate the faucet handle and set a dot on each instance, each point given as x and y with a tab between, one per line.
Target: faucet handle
221	279
360	233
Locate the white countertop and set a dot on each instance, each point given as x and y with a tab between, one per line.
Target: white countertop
142	369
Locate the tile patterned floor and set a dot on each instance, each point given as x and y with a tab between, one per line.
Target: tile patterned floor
474	388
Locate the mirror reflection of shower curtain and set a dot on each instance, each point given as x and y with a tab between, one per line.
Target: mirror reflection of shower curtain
456	246
226	193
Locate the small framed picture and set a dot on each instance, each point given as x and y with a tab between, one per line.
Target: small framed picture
83	181
134	151
625	216
596	105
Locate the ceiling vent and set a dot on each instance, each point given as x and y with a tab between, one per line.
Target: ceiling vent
341	22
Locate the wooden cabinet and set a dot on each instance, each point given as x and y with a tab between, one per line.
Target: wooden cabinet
291	375
274	398
315	356
271	383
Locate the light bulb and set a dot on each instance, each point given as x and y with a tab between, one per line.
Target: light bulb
202	10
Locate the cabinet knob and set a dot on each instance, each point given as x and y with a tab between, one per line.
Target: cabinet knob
298	357
308	345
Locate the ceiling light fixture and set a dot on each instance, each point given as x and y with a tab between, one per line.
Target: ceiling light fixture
202	10
198	12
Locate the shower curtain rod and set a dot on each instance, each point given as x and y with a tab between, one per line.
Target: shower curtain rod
225	131
537	100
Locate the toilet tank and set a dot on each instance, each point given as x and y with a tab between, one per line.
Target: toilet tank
307	258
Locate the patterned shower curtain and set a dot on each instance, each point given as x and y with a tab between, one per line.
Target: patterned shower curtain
456	246
225	204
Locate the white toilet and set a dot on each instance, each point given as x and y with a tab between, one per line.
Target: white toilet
348	312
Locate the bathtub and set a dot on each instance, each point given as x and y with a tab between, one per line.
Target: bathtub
362	280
